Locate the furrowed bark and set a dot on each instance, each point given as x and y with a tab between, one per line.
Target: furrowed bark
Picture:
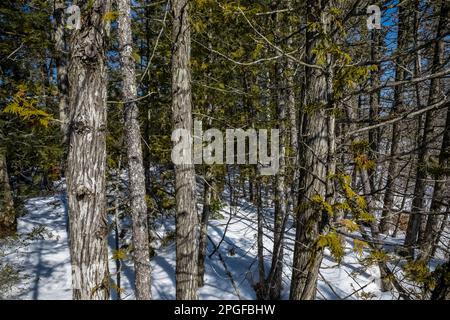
136	174
186	215
385	223
417	211
441	184
206	212
87	156
61	66
276	273
319	125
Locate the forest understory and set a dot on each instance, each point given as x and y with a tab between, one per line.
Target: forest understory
212	149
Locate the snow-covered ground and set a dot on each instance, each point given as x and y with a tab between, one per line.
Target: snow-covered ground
44	264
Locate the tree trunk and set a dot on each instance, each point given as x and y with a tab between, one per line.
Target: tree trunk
7	213
136	174
292	110
61	66
439	196
117	229
276	273
206	212
386	223
186	216
319	126
435	95
374	111
87	156
261	286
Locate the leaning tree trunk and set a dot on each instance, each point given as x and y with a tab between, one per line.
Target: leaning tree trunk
7	214
186	215
318	128
87	156
136	174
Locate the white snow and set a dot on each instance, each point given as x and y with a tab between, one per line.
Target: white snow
44	262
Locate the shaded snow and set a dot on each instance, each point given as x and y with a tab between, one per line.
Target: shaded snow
44	263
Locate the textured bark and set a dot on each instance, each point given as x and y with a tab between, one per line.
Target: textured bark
260	236
7	213
61	66
386	223
276	273
292	109
136	174
439	197
87	156
435	95
374	135
186	216
206	212
117	228
318	135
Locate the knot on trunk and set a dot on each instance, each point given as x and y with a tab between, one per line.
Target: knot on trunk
90	51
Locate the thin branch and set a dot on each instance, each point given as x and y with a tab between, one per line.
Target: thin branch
439	105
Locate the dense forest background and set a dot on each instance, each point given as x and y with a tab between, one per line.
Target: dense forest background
88	107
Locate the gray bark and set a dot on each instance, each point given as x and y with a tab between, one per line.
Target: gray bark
206	212
276	273
136	174
318	139
386	223
186	215
439	197
87	156
374	135
61	66
260	237
435	95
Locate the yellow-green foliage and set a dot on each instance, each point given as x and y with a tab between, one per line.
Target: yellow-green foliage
359	146
349	77
358	246
314	107
333	242
151	203
118	289
433	167
167	203
362	161
377	256
26	109
419	272
110	16
350	225
120	254
322	204
356	203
